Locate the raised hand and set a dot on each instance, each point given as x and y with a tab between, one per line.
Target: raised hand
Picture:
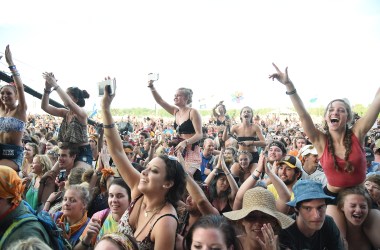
8	56
269	240
107	98
50	81
280	76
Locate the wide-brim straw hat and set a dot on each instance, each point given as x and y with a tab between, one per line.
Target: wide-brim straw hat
260	199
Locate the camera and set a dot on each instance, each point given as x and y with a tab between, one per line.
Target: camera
112	86
62	175
153	76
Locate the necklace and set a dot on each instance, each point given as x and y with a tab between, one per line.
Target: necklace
156	211
146	212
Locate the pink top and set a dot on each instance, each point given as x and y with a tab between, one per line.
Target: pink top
342	178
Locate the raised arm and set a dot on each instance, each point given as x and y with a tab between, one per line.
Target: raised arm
169	108
311	131
364	124
196	193
282	191
249	183
115	147
51	83
22	106
230	178
45	106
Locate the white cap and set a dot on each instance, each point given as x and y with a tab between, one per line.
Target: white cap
307	149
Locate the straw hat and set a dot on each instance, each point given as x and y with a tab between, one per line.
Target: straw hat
260	199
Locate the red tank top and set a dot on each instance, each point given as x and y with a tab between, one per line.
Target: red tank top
341	178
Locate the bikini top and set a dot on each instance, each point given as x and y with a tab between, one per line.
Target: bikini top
186	127
125	228
247	138
9	124
219	123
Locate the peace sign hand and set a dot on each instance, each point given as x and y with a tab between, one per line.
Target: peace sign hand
280	76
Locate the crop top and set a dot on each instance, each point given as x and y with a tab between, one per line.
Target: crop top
73	132
9	124
125	228
186	127
342	178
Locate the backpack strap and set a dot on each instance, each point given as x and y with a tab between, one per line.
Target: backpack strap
16	224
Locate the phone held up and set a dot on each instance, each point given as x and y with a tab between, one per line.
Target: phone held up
153	76
110	83
62	175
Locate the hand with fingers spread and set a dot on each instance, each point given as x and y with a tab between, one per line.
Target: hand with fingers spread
280	76
269	240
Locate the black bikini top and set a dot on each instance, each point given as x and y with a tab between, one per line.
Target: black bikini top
247	138
186	127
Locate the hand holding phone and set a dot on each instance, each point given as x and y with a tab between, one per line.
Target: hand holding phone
108	83
153	76
62	175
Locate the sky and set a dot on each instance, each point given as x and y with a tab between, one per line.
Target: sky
220	49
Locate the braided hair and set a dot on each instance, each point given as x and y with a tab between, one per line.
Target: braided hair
347	138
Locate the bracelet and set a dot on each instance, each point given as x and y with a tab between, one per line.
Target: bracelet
47	91
85	244
112	125
12	67
257	171
55	88
228	174
291	92
255	177
47	201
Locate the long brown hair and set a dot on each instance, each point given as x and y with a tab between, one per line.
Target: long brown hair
347	137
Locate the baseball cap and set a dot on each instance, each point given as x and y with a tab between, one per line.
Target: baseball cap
292	162
307	149
369	155
307	190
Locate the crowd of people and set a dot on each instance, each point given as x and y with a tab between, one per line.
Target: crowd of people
184	183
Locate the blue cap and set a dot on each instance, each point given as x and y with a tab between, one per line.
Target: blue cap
307	190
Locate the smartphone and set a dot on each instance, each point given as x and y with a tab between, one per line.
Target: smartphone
62	175
112	86
153	76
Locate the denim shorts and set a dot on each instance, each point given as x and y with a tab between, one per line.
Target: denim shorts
84	154
13	153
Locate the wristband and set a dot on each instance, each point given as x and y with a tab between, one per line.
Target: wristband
112	125
291	92
228	174
12	67
47	91
255	177
55	88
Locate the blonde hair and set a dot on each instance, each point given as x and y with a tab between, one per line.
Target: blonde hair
32	243
45	162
